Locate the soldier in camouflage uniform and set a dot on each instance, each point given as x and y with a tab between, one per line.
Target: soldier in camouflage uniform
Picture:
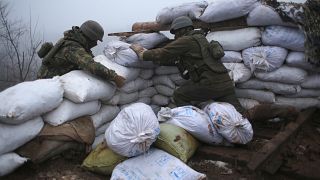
199	60
72	52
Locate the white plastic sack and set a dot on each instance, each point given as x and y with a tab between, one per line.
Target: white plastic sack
164	70
102	129
259	95
148	92
263	15
193	120
14	136
80	86
236	40
312	81
68	111
286	37
133	131
28	100
299	103
238	72
264	58
100	138
136	85
146	73
297	59
156	164
229	122
147	40
164	90
163	80
128	73
285	74
220	10
160	100
177	79
192	9
248	103
9	162
306	93
105	114
122	98
231	57
278	88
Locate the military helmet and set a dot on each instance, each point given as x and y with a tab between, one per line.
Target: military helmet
92	30
180	22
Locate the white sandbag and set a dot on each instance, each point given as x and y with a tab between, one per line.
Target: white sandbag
236	40
156	164
105	114
68	111
148	92
193	120
238	72
160	100
14	136
136	85
231	57
248	103
284	74
121	53
102	129
146	73
259	95
312	81
155	108
9	162
264	58
229	122
278	88
97	141
133	131
164	90
28	100
299	103
192	9
163	80
306	93
263	15
147	40
297	59
220	10
164	70
80	86
121	98
177	79
286	37
128	73
145	100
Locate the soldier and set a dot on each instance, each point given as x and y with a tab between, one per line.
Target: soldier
199	60
72	52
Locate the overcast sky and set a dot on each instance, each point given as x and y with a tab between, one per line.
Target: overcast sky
56	16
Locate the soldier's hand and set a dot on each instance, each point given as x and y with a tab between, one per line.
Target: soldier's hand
139	50
119	80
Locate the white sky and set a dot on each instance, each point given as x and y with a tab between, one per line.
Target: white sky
56	16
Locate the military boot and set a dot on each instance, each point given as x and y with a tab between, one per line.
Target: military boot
264	112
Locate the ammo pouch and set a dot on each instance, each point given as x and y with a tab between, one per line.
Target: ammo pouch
216	49
52	51
45	48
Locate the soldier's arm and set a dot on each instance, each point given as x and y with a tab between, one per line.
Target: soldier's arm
84	60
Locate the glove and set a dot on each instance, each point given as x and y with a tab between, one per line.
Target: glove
119	80
139	50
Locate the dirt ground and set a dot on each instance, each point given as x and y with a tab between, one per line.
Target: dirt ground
301	161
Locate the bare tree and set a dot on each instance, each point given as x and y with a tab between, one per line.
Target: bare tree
19	61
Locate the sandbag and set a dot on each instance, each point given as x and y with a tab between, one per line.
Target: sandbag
264	58
160	100
128	73
284	74
146	73
231	57
297	59
145	100
102	160
121	53
121	98
102	129
28	100
176	141
299	103
193	120
229	122
147	40
105	114
306	93
238	72
286	37
80	86
9	162
99	139
236	40
133	131
165	70
14	136
220	10
163	80
148	92
312	81
192	9
155	108
159	165
177	79
259	95
164	90
68	111
136	85
248	103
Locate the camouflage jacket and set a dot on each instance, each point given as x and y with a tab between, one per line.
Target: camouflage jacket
73	54
188	54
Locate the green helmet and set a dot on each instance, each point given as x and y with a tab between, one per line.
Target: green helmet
180	22
92	30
